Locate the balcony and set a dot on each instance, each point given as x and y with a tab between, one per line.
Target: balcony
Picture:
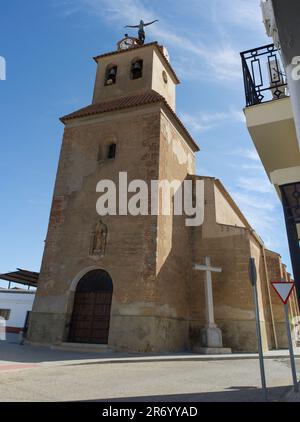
264	79
269	114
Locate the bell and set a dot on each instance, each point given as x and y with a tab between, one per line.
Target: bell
137	66
112	72
112	76
137	69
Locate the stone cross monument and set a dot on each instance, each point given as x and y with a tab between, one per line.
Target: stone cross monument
211	335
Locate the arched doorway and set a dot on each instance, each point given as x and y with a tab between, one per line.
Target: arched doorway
91	310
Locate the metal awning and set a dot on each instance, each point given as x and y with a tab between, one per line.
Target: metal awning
24	277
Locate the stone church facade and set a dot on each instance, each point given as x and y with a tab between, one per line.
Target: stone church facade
129	281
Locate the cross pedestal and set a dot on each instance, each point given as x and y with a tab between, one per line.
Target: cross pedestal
211	335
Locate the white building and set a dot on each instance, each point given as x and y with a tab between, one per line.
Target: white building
272	88
14	308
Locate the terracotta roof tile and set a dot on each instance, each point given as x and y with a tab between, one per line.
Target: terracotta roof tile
134	100
140	98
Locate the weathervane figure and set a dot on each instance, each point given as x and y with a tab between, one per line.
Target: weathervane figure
141	26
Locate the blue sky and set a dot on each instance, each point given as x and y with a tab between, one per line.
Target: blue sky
48	47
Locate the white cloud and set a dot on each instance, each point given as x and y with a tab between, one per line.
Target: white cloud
245	13
216	59
262	212
67	7
254	201
255	184
251	166
256	197
119	10
204	121
249	154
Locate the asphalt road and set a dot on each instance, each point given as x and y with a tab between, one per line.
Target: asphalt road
236	380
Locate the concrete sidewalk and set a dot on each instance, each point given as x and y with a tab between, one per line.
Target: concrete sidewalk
18	356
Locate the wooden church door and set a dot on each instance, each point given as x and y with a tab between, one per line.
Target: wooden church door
91	312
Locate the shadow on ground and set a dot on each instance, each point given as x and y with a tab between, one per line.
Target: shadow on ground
16	353
232	394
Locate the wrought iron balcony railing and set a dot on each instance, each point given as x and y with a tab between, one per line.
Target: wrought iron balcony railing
264	79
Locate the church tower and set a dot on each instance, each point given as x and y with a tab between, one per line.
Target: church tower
118	279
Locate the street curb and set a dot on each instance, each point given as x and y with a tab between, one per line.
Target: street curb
160	359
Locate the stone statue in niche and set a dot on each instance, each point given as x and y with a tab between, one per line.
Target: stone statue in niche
99	239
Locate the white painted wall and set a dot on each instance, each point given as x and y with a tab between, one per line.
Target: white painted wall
19	303
281	20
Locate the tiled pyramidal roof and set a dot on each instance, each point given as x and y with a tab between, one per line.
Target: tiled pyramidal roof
144	97
137	99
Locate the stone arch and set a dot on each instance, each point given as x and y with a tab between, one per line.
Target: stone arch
79	276
90	318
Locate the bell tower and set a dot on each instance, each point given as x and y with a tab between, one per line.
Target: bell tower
118	279
133	69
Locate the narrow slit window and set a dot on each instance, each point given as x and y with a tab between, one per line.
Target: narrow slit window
112	149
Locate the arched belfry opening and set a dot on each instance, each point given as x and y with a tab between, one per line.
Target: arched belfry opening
137	68
111	75
91	311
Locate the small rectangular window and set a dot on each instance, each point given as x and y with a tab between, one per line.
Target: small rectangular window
5	314
112	152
